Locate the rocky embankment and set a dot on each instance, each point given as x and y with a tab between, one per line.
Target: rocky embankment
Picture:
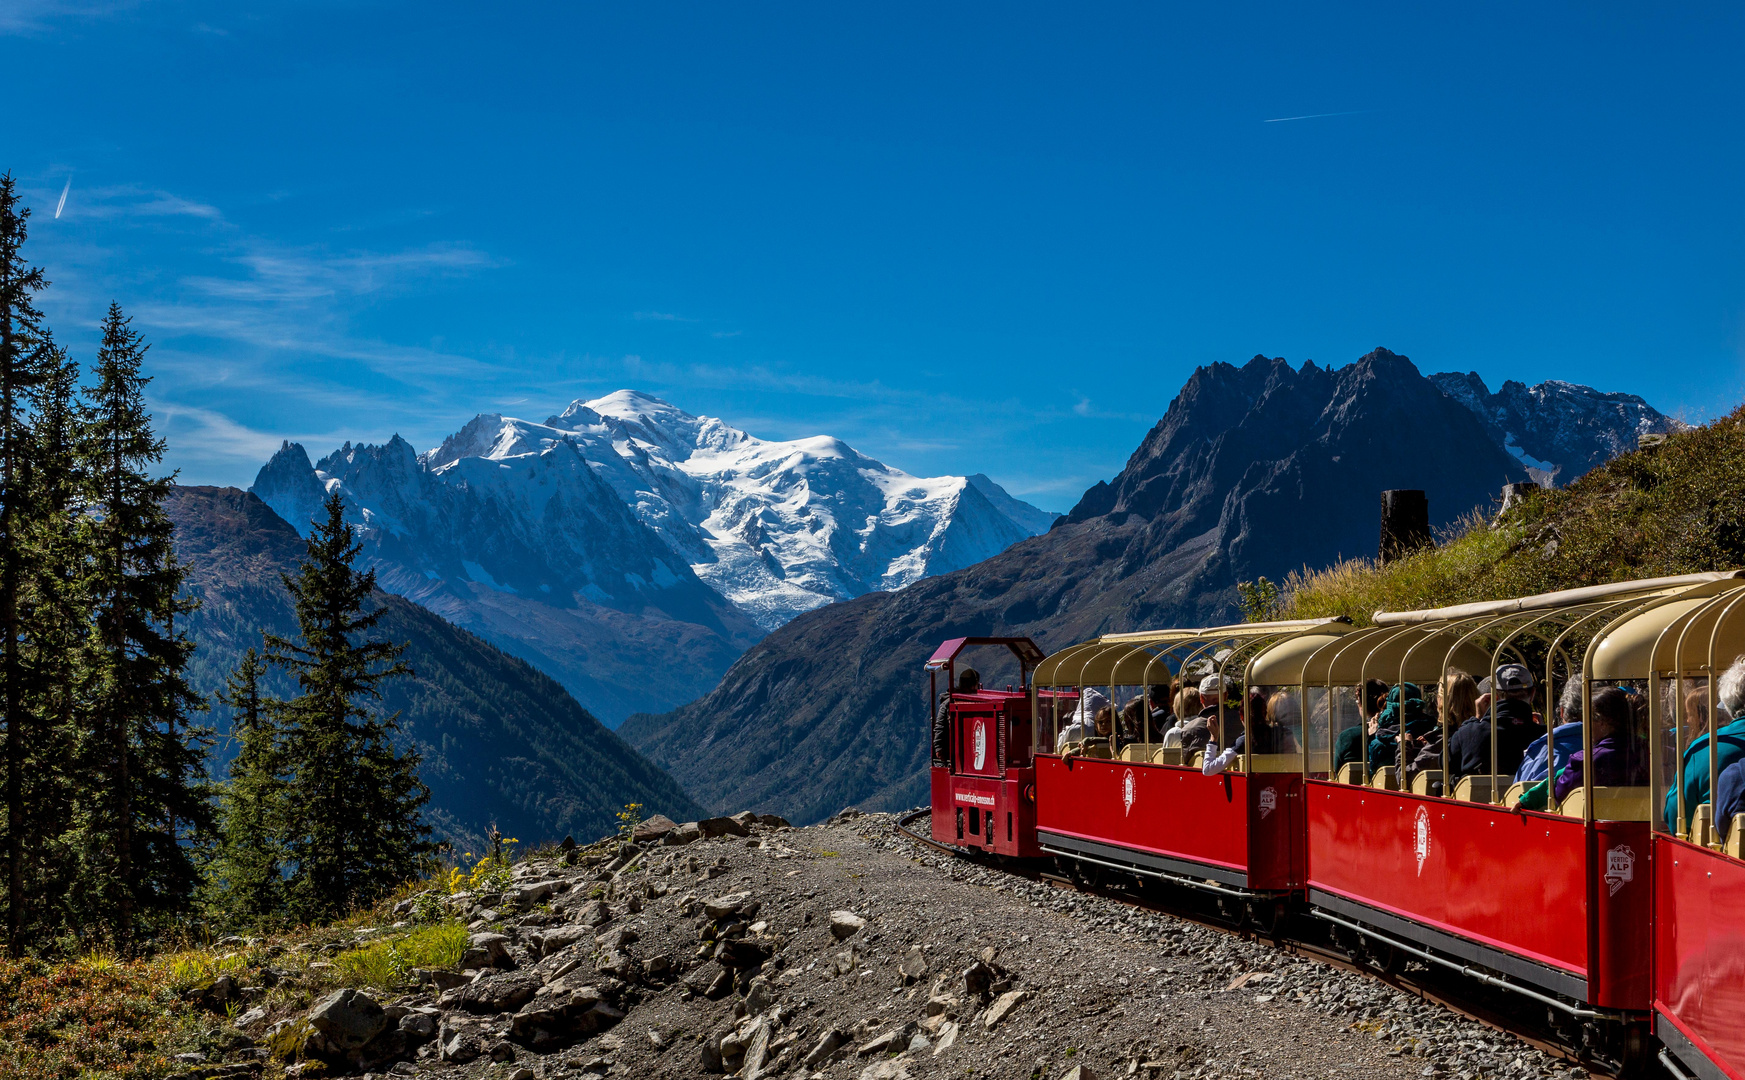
741	946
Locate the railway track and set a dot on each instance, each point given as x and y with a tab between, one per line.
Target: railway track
1456	995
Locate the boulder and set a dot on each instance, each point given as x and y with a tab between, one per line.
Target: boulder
688	832
845	924
559	938
617	938
758	996
460	1047
528	895
347	1019
722	826
594	913
654	828
419	1025
913	966
1003	1007
499	993
892	1041
724	906
250	1018
496	946
773	821
743	953
559	1020
826	1048
1079	1072
746	820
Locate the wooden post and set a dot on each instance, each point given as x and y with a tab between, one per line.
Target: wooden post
1405	523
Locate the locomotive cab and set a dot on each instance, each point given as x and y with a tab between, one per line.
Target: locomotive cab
983	778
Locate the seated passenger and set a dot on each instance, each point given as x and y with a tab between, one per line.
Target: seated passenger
1729	796
969	680
1187	704
1271	733
1620	756
1161	715
1469	748
1105	729
1349	747
1421	752
1729	709
1404	714
1083	724
1200	730
1565	738
1132	725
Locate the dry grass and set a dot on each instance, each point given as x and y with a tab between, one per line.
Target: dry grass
1675	509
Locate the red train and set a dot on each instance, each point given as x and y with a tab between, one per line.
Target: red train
1368	780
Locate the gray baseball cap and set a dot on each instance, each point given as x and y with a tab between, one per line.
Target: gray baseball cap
1514	677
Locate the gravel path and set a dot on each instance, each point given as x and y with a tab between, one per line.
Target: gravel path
1055	979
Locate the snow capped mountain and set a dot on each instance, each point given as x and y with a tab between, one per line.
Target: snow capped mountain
628	506
1557	430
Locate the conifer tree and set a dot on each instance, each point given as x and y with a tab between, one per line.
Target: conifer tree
51	601
248	868
142	766
22	348
355	822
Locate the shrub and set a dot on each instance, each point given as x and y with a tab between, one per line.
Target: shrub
388	964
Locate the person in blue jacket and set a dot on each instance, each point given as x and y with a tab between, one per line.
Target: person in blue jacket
1565	738
1730	796
1730	692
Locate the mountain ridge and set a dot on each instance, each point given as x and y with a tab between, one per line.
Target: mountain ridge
1253	469
503	743
633	550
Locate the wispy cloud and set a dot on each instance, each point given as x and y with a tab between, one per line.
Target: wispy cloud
659	316
1316	116
132	201
36	16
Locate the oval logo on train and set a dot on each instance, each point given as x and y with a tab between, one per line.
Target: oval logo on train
981	743
1421	837
1620	868
1128	785
1268	801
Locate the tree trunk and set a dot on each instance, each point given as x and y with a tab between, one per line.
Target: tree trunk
1405	523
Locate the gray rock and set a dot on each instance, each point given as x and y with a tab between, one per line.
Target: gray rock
418	1026
712	1062
654	828
722	907
684	834
618	937
759	997
913	966
348	1019
773	821
559	938
889	1042
494	945
499	993
461	1047
251	1017
826	1048
845	924
1003	1006
594	913
722	826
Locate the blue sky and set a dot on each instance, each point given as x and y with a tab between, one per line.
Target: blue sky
964	237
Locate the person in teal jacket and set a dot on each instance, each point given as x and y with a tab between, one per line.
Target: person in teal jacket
1730	692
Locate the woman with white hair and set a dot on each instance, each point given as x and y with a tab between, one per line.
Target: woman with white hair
1730	740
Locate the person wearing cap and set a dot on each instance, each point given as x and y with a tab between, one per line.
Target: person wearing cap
1469	748
1203	729
969	680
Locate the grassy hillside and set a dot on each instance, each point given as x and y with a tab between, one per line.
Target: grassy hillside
1677	508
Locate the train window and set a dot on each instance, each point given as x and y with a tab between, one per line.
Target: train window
1346	727
1316	738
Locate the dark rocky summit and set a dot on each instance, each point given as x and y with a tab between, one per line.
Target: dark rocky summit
1253	470
1557	430
501	741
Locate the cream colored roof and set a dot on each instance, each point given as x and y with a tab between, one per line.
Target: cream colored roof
1565	598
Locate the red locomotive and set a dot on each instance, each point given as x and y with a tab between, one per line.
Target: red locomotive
1418	787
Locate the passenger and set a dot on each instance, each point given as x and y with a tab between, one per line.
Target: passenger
1273	721
1729	709
1565	738
1132	726
1469	748
1620	757
1187	704
969	680
1729	796
1083	724
1349	747
1200	730
1161	714
1405	714
1419	753
1106	729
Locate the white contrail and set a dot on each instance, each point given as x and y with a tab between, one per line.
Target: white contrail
1313	116
62	205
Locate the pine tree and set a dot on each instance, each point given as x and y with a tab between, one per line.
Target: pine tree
22	348
51	600
355	825
142	766
247	872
